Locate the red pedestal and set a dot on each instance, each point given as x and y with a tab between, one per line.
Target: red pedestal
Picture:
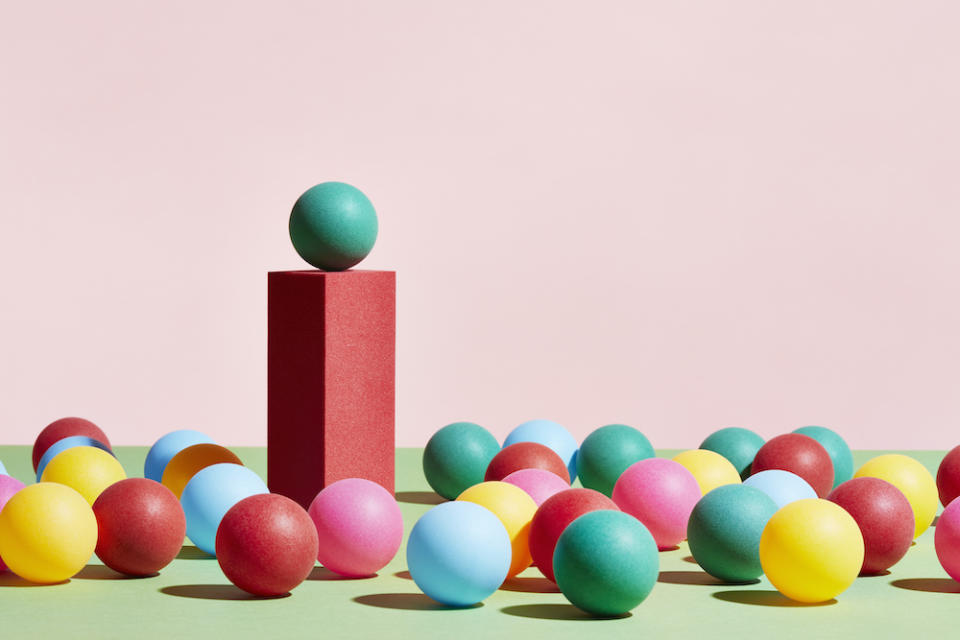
330	379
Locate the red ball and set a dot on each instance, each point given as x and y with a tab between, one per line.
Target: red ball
799	454
526	455
553	516
141	526
885	519
948	476
64	428
267	544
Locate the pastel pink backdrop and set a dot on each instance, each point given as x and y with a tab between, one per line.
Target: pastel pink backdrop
678	215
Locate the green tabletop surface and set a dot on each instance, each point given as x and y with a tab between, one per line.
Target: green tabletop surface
192	598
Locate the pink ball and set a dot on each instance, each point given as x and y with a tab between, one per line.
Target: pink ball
947	539
539	483
8	486
661	494
359	527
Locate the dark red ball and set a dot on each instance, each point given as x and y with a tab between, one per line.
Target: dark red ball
526	455
948	476
885	519
553	516
64	428
267	544
799	454
141	526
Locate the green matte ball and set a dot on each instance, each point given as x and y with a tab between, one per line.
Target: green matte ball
333	226
737	445
456	458
836	447
607	452
724	531
606	562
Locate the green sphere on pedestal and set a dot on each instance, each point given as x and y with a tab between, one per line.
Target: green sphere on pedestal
456	458
333	226
607	452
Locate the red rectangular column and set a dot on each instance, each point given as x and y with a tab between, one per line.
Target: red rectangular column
330	379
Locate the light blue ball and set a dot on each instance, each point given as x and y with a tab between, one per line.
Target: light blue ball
64	444
3	469
458	553
168	446
782	486
208	496
549	434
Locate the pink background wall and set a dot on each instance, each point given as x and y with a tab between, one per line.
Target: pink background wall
678	215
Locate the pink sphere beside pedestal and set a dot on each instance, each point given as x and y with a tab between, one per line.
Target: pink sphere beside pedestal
8	486
947	539
359	526
661	494
540	484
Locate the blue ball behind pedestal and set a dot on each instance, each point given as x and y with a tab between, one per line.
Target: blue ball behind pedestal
549	434
208	496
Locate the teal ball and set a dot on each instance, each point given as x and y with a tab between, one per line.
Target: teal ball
333	226
736	444
606	563
836	447
456	458
724	532
607	452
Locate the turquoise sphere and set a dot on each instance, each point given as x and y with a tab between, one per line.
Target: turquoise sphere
736	444
456	458
333	226
607	452
836	447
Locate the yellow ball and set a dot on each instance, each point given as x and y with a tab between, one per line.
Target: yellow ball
710	469
86	469
811	550
912	478
47	533
515	508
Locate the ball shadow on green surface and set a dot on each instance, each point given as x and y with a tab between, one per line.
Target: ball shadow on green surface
10	579
690	559
322	573
407	602
556	612
190	552
696	578
529	584
214	592
930	585
419	497
403	574
101	572
765	599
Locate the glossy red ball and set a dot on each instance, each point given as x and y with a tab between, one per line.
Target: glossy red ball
885	519
526	455
799	454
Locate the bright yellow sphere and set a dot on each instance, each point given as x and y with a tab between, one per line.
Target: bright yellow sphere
913	479
89	470
710	469
811	550
47	533
515	508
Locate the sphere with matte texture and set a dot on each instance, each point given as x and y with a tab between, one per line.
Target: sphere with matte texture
607	452
525	455
266	544
539	484
946	540
185	464
333	226
661	494
359	526
799	454
456	457
554	515
47	533
515	510
606	563
168	446
736	444
811	550
458	553
710	469
912	478
141	526
3	469
885	519
63	445
549	434
210	494
8	486
724	531
782	486
837	448
64	428
948	476
88	470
